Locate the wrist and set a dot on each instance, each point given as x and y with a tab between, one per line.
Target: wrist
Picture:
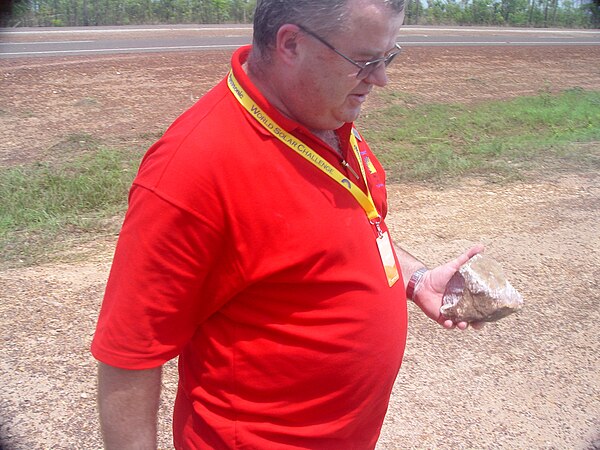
414	283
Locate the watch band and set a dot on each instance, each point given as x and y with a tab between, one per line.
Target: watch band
414	281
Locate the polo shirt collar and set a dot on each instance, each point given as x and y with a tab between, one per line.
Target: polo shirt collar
238	59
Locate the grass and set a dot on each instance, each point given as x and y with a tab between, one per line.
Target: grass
42	203
441	141
86	185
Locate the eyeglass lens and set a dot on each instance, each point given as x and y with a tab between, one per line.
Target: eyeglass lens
370	67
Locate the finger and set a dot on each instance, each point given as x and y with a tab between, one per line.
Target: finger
462	325
477	325
474	325
447	324
479	248
462	259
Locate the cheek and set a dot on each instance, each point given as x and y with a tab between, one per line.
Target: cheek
333	81
327	91
339	88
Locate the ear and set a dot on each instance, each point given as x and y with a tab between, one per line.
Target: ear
288	43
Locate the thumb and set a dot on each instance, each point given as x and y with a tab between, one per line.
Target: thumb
462	259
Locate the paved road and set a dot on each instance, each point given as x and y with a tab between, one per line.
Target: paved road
40	42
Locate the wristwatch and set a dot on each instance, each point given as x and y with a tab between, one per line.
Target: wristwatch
414	281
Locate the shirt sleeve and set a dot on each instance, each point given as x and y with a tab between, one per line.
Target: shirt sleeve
162	285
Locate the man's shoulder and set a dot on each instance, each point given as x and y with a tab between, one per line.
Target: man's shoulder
214	107
202	144
211	122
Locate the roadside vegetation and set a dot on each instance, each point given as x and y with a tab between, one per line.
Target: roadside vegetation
501	139
515	13
45	204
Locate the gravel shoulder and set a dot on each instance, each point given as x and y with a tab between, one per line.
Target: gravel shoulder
529	381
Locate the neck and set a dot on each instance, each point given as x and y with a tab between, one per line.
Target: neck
260	78
266	86
329	137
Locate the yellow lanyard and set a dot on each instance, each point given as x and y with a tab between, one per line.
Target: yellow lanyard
366	201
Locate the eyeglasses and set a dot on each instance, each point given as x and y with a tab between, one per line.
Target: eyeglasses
366	68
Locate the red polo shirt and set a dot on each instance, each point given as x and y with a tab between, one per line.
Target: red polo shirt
263	275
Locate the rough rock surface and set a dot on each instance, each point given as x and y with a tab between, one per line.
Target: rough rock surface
480	292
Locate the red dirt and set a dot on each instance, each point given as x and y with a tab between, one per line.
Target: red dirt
529	381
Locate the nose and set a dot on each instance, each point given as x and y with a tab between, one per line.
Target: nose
378	76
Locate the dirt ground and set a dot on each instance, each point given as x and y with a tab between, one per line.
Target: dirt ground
531	381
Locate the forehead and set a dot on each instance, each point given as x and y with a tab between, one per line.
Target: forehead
371	27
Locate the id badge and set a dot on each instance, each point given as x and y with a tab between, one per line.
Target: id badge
384	244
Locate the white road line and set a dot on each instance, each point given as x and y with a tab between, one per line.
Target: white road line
491	43
503	30
121	30
118	50
249	27
47	42
199	47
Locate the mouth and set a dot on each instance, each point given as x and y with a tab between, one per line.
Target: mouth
360	97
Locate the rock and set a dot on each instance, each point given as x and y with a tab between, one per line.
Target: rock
479	292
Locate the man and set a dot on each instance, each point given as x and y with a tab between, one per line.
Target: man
255	249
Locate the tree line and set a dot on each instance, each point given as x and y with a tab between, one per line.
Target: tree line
514	13
58	13
518	13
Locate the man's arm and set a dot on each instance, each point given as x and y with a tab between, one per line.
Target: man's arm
408	264
128	404
429	291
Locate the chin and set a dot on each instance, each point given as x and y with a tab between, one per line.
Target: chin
347	115
351	117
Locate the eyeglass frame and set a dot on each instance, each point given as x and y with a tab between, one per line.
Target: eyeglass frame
365	68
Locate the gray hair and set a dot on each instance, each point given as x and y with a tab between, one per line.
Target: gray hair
320	16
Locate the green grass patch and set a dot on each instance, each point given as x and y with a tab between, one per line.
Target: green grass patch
84	186
440	141
41	202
